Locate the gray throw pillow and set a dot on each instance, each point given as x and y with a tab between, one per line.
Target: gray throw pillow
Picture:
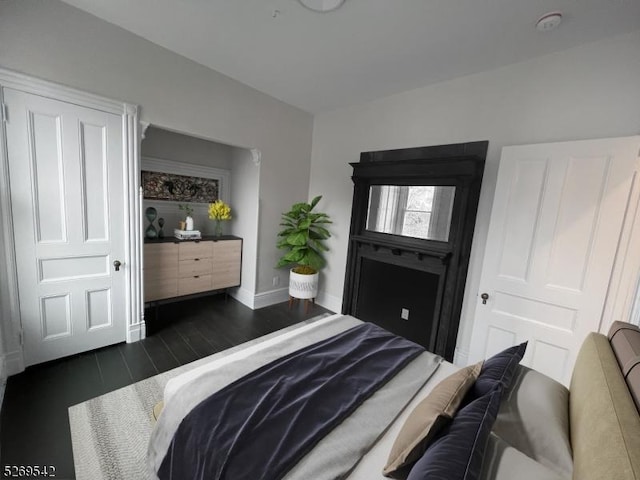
503	462
534	418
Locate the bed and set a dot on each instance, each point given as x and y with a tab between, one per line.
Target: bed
428	419
374	424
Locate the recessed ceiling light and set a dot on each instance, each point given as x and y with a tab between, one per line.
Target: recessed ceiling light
549	21
322	6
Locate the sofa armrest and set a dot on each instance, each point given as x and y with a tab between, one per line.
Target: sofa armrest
604	422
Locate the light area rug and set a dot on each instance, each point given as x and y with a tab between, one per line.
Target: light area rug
110	433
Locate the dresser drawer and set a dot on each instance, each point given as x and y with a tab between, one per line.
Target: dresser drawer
193	250
162	256
227	249
227	278
194	267
157	288
195	284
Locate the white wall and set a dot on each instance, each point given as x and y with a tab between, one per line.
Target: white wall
590	91
245	210
177	147
54	41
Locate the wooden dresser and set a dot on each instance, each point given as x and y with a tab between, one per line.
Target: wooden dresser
173	268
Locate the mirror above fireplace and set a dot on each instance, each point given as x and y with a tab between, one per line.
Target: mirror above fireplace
416	211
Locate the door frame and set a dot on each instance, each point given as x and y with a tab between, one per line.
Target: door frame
11	349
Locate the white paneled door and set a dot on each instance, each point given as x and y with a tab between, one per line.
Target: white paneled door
66	180
556	222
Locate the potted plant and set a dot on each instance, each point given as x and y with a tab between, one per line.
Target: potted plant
303	237
188	210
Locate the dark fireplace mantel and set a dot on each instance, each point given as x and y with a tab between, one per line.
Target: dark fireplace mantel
394	269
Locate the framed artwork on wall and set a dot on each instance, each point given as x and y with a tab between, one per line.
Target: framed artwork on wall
179	188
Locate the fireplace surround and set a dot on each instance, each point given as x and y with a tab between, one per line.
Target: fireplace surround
412	222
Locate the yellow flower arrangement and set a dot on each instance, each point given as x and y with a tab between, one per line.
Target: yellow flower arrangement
219	210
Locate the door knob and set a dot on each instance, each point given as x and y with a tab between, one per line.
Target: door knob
116	265
484	297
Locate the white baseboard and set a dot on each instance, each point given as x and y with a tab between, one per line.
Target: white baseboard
136	332
330	302
13	362
265	299
271	297
460	357
244	296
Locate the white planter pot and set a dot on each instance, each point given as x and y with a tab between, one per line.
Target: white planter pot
303	286
189	221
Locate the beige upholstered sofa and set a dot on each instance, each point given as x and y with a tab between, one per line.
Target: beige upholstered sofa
590	431
603	405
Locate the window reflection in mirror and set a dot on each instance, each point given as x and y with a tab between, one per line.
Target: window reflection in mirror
411	211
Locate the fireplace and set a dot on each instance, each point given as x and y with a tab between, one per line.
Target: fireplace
412	224
393	295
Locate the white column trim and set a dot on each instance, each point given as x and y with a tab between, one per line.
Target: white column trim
135	324
256	156
143	129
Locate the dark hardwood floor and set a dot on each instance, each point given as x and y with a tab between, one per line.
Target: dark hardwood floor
34	425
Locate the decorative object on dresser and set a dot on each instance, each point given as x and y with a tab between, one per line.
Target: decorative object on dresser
219	212
188	210
151	215
187	234
176	268
161	225
303	238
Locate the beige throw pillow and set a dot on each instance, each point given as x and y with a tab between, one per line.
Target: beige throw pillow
428	418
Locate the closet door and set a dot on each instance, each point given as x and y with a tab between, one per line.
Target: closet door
67	193
555	227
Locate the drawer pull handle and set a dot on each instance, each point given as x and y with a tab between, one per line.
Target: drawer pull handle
196	276
196	259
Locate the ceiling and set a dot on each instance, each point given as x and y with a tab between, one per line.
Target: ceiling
366	49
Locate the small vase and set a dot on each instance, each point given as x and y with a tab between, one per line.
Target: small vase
189	221
218	230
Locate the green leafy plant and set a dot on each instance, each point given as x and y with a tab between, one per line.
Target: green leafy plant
186	208
303	237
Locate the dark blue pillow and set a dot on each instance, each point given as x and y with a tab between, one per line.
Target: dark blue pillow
457	454
497	370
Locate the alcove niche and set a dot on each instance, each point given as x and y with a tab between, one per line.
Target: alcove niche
237	170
